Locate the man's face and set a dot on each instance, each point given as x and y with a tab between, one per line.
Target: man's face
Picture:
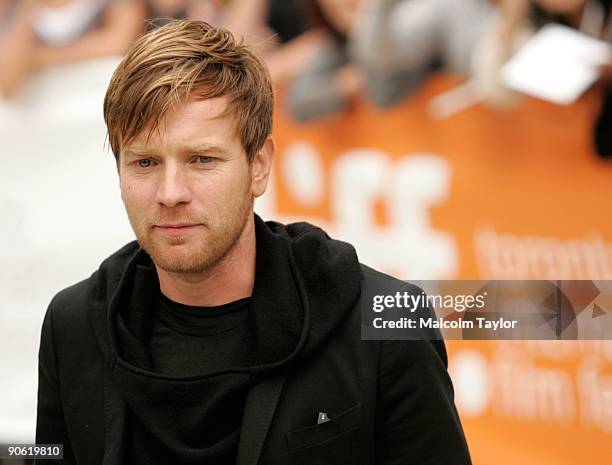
189	189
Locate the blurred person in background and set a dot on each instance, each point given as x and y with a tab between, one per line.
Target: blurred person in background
278	29
328	81
591	17
416	37
332	80
285	19
6	6
473	38
160	12
38	34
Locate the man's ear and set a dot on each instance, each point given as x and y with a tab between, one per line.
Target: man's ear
261	167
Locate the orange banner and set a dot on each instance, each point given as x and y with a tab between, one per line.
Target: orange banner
484	194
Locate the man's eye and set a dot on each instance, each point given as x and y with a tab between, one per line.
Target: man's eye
144	163
204	159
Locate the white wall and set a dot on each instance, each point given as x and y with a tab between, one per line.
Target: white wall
61	215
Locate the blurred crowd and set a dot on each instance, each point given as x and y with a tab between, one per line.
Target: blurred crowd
326	52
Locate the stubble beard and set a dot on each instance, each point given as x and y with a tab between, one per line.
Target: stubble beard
200	252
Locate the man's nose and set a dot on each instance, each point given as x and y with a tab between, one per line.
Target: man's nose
173	188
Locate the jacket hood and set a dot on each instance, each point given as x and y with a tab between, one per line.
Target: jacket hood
305	285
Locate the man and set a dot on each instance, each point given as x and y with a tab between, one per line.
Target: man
218	338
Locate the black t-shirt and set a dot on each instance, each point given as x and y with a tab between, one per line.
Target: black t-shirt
191	341
200	420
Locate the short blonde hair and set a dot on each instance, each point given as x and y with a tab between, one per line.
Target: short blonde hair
186	58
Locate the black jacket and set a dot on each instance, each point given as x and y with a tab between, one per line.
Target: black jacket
389	402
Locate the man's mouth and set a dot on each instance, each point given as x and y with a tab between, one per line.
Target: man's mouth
176	229
176	225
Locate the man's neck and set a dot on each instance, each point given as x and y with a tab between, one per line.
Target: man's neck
231	279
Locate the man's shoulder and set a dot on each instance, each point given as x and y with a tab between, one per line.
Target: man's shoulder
375	279
74	293
377	276
401	350
71	302
108	270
